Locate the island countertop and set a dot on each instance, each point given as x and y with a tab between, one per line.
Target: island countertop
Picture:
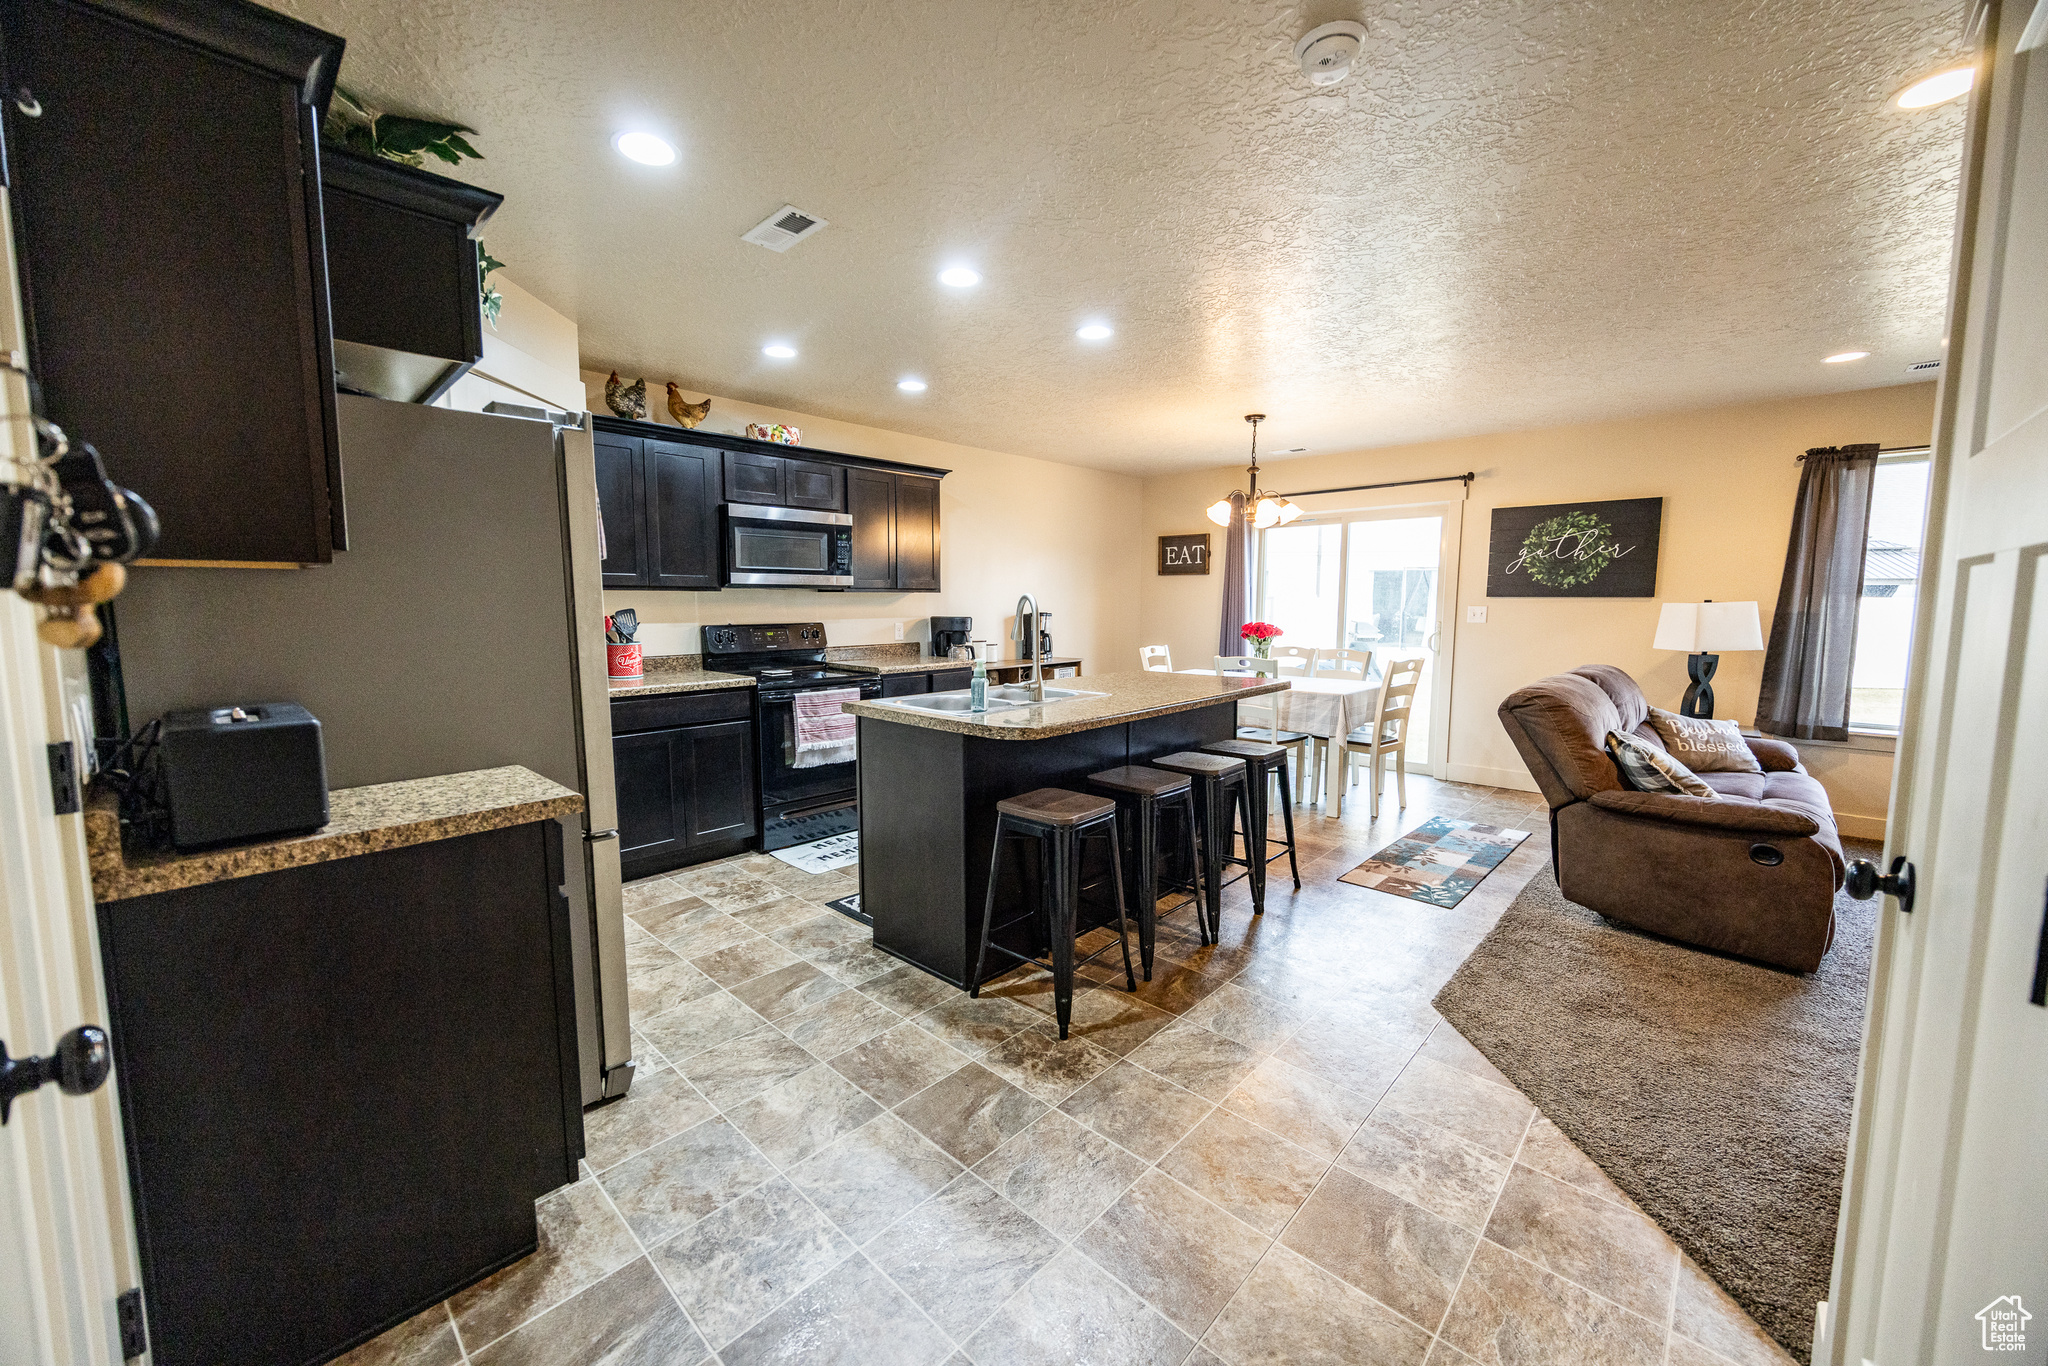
1126	697
361	820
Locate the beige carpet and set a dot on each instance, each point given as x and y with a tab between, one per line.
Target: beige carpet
1714	1091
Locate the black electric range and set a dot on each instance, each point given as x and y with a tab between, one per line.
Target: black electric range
799	802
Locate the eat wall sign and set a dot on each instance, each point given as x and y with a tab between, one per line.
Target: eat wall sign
1184	554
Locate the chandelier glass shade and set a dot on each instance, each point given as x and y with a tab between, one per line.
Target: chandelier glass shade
1262	510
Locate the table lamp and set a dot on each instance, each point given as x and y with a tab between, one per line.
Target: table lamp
1703	630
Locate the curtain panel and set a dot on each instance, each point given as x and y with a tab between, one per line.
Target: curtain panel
1237	580
1805	692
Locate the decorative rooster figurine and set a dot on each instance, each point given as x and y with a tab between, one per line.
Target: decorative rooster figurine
627	400
687	415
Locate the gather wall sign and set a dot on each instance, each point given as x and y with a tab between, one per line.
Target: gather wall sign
1575	550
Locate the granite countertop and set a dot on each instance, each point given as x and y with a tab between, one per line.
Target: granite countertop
1127	697
652	684
362	820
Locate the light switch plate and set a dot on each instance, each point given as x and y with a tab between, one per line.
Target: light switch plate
899	630
1476	615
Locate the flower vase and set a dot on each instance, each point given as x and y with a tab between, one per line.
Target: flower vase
1262	649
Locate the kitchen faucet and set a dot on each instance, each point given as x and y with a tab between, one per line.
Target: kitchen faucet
1030	636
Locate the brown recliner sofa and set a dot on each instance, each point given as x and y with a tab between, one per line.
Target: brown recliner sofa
1753	874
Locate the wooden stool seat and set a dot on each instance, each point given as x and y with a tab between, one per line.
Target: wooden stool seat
1056	806
1140	782
1286	737
1199	765
1245	749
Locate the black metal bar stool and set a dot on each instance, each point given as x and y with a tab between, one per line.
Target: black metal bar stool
1056	820
1219	798
1145	797
1263	760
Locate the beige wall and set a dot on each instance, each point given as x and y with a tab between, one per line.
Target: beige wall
529	358
1009	525
1728	477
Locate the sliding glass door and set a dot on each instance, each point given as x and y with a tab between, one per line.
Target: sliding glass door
1368	581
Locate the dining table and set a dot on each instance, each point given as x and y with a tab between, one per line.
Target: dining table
1328	707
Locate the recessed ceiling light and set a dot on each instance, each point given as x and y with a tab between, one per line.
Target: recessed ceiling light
1939	88
1095	332
1841	356
779	351
911	385
960	277
644	148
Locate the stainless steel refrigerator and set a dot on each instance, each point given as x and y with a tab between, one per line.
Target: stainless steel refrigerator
462	629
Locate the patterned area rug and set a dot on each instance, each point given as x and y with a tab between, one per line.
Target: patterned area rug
1438	861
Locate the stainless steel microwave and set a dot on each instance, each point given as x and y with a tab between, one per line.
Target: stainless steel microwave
786	547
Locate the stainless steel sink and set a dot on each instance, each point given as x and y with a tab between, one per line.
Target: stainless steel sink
1021	692
1004	698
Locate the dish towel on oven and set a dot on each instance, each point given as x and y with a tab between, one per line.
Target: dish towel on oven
824	734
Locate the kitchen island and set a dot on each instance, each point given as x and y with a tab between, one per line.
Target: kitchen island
930	781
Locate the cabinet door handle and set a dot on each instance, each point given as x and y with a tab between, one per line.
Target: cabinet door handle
595	835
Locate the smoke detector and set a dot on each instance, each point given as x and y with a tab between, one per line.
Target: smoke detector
784	228
1327	51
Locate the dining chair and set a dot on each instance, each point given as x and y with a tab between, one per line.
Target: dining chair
1295	659
1388	733
1155	659
1339	662
1264	715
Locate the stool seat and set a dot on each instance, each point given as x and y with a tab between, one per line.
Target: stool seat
1199	765
1245	749
1140	782
1057	806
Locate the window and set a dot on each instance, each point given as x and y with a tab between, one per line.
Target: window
1891	583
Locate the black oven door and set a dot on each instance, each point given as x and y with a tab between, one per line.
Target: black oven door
786	548
801	804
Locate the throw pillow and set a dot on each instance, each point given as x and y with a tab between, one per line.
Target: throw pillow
1645	768
1704	746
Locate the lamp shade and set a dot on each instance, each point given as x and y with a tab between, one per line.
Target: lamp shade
1709	627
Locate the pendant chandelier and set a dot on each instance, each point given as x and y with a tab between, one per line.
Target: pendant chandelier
1260	509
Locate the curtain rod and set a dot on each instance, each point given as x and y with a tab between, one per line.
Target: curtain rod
1464	478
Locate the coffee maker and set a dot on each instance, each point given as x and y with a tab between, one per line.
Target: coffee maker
948	632
1024	628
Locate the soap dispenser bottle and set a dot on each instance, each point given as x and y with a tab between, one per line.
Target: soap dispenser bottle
978	691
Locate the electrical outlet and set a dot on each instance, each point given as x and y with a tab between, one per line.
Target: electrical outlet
899	630
1476	615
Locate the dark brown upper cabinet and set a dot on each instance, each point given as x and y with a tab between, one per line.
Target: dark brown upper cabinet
163	166
871	500
618	508
402	275
917	534
783	482
681	484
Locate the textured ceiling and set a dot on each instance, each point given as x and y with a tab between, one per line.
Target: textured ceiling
1512	215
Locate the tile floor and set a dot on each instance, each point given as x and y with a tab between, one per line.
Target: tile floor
1275	1152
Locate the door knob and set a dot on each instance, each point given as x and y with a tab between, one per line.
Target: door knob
79	1066
1864	881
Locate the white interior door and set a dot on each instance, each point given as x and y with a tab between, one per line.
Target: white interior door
1944	1238
67	1243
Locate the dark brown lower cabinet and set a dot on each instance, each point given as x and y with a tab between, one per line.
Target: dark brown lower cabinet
686	793
342	1087
905	685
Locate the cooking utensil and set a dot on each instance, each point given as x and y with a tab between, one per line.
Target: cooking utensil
627	622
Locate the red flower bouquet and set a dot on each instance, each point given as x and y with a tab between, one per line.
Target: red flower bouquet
1260	634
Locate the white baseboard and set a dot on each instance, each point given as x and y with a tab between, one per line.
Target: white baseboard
1516	778
1860	827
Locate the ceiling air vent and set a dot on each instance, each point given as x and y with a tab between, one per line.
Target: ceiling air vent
784	228
1923	367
